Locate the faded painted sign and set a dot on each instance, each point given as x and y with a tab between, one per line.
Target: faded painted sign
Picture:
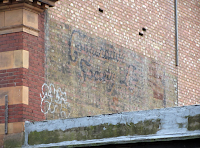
100	77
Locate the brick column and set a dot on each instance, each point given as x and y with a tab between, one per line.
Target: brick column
22	60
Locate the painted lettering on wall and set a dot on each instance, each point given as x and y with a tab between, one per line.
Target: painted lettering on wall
80	43
93	71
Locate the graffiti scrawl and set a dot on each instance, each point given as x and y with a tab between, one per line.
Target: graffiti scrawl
54	101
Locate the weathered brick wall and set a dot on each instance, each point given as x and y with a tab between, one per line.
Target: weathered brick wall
98	63
100	77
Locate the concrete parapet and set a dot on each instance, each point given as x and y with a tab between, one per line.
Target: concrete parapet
167	124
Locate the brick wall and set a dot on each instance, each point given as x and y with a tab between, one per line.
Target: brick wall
189	49
79	89
33	77
97	63
10	42
76	33
121	23
72	60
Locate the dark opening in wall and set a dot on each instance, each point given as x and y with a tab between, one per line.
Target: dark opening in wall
141	34
144	29
100	10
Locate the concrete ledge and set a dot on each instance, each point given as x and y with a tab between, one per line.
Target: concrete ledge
131	127
14	59
19	28
16	95
19	20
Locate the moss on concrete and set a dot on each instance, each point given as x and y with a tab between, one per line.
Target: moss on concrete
95	132
13	144
44	136
14	140
193	122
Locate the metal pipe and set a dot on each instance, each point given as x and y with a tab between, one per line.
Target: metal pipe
6	114
176	45
176	31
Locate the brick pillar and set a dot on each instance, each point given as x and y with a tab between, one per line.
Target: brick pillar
22	59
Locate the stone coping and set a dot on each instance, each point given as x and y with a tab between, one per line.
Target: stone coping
128	127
